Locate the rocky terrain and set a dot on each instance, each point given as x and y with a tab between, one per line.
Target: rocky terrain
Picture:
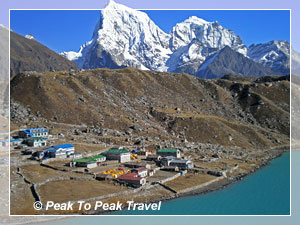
29	55
127	106
274	55
228	61
235	124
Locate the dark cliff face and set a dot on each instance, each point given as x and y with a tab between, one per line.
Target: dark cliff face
30	55
228	61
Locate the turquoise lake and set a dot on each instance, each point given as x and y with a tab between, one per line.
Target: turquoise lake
266	192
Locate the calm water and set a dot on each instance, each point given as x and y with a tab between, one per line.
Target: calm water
266	192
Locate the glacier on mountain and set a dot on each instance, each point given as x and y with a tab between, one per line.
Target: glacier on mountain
126	37
274	55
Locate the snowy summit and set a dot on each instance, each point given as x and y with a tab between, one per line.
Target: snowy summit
126	37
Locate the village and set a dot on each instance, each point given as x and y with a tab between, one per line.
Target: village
52	165
133	167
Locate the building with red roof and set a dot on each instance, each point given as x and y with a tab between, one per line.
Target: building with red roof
141	171
132	179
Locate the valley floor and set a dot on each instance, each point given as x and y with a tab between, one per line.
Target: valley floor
56	181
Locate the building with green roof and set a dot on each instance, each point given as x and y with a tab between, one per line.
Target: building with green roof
89	162
169	152
120	154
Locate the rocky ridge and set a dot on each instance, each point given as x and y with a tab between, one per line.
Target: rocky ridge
124	37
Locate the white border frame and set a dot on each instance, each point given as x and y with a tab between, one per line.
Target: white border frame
108	215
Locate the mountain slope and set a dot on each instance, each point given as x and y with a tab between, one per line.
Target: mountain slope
30	55
274	55
125	37
210	34
158	105
195	39
228	61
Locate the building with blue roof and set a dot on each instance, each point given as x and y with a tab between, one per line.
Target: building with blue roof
61	151
33	132
171	161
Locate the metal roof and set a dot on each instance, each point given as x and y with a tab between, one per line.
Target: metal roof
85	160
35	130
139	169
14	140
97	156
130	176
180	161
168	157
167	150
115	151
90	159
64	146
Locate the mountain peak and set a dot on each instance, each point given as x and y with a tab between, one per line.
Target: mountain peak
112	5
273	54
197	20
228	61
211	34
125	37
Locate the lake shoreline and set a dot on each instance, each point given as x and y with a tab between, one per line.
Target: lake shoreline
213	187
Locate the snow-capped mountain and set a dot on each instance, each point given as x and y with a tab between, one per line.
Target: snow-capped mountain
193	40
210	34
227	61
188	58
273	54
126	37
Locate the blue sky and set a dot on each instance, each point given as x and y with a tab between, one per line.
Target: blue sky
66	30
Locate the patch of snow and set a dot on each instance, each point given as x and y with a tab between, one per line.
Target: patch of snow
273	54
29	36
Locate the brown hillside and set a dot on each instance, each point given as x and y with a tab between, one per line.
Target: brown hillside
163	105
30	55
